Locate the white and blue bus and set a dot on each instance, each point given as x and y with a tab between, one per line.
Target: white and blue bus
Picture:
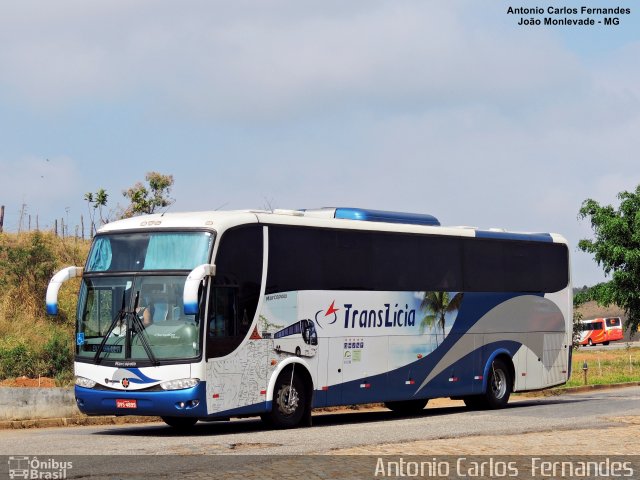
182	315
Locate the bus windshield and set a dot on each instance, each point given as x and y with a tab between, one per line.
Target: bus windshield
135	318
143	251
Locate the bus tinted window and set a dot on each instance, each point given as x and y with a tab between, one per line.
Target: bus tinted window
613	322
324	259
236	289
517	266
316	259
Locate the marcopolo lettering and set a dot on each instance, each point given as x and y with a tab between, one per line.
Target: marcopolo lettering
387	317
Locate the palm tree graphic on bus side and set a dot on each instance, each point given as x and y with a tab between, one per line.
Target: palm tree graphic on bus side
437	305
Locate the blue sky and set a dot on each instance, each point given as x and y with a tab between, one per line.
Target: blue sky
443	107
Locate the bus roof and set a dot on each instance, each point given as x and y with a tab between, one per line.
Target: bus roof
357	219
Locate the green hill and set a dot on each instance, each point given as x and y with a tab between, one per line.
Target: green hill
31	343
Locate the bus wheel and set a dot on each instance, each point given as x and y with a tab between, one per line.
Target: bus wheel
498	385
498	389
289	401
181	423
407	407
605	343
590	342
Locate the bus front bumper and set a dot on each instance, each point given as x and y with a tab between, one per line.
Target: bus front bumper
188	402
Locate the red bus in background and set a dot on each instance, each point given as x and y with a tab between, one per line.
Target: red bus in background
600	330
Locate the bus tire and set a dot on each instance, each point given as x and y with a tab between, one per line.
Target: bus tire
407	407
289	402
590	343
181	423
499	386
605	343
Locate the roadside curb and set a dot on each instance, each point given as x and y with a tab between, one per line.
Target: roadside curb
82	421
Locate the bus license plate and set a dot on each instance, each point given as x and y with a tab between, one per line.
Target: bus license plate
126	403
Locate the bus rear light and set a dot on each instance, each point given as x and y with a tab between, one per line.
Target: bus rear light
410	382
263	392
365	385
325	389
453	379
478	377
180	384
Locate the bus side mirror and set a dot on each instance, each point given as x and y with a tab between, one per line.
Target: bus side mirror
192	284
54	286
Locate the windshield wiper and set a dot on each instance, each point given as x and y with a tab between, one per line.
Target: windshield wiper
133	326
138	328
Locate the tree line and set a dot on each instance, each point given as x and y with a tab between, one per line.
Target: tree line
143	198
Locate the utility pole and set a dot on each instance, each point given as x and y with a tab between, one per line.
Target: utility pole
23	209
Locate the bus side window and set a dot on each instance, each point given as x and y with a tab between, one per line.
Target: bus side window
222	316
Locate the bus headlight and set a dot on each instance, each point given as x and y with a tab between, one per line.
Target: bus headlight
85	382
180	384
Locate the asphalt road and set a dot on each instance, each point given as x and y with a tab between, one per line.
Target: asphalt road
340	445
612	346
332	432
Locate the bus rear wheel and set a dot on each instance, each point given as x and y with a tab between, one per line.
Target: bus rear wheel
499	385
181	423
289	402
407	407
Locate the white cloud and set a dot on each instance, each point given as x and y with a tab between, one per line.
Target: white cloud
226	61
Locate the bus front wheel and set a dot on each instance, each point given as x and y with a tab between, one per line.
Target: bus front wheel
289	401
181	423
407	407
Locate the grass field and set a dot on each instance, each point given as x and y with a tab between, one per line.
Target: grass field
605	366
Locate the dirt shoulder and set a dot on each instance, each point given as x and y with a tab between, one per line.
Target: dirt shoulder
611	440
603	441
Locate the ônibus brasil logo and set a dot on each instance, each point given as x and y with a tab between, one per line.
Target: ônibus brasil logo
330	311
